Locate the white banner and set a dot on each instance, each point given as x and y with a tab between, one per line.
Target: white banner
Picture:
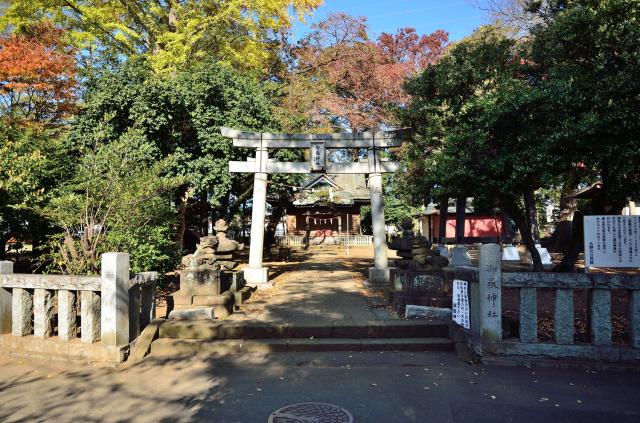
612	241
460	309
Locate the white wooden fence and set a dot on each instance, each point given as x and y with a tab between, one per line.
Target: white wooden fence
298	240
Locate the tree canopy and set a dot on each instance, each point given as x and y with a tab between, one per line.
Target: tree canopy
37	75
172	34
499	118
128	97
345	79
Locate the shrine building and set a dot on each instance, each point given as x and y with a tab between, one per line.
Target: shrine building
328	205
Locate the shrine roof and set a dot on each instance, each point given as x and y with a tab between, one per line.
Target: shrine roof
433	208
341	189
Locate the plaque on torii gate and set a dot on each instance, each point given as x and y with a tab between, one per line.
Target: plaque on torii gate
317	144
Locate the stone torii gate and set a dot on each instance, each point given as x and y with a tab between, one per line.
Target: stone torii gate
261	166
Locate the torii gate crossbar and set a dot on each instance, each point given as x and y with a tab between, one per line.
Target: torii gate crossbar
261	166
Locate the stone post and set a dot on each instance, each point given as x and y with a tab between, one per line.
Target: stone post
378	275
114	310
42	313
528	315
67	314
255	273
490	287
22	312
135	302
148	308
6	268
563	319
601	317
89	316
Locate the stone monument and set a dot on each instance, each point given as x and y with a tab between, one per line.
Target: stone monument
226	247
420	279
201	294
415	252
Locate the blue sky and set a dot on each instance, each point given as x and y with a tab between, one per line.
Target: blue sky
458	17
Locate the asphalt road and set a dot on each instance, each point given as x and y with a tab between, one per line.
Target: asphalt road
374	387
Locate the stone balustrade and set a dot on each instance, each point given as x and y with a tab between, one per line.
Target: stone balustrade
486	285
114	308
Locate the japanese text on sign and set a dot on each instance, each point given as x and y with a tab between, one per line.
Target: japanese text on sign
612	241
317	156
460	309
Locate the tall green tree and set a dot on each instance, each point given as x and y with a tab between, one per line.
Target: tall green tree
585	59
180	116
501	118
480	132
172	34
33	161
37	83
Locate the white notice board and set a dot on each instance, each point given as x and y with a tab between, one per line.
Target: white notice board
612	241
460	309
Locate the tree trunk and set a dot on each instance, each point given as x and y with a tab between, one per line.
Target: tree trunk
3	248
603	203
461	206
519	218
507	236
182	217
561	237
444	211
204	209
532	214
575	245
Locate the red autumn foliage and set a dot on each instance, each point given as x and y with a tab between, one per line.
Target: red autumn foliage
365	77
37	75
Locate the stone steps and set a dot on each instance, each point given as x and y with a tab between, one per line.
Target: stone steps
189	347
225	330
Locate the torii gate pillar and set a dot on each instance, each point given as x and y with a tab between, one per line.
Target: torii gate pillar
379	274
261	166
255	273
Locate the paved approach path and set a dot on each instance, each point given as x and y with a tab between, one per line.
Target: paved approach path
322	287
376	388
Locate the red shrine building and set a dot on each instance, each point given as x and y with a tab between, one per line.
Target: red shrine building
478	227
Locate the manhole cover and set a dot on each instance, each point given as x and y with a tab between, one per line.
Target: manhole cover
311	412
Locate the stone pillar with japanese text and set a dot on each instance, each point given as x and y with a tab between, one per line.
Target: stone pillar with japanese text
490	292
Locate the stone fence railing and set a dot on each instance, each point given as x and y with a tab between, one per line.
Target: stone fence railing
114	309
298	240
486	285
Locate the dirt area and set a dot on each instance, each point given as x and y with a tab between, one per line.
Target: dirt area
546	304
353	262
356	260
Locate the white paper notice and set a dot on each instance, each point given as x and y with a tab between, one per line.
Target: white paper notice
612	241
460	309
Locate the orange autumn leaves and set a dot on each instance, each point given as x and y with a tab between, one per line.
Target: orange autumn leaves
37	76
358	80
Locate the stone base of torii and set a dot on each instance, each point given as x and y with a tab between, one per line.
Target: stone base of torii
261	166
